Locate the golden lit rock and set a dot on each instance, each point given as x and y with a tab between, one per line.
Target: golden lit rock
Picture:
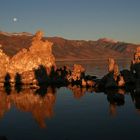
113	67
4	63
40	53
136	56
26	61
111	63
77	71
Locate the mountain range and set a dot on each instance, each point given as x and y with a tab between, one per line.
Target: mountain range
64	49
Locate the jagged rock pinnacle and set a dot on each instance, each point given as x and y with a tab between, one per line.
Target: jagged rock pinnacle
39	53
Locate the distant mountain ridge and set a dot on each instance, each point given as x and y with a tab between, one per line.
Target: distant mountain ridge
16	34
65	49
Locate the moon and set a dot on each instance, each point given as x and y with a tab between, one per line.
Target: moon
15	19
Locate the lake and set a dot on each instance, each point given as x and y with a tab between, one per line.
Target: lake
70	113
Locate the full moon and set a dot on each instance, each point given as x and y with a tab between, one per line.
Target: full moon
15	19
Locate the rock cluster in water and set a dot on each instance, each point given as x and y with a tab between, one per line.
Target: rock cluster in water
125	78
36	65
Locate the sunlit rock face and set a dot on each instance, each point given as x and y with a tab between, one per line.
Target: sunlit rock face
77	72
137	56
28	60
40	53
4	63
113	67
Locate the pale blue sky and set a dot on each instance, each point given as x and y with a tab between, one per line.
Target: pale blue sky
74	19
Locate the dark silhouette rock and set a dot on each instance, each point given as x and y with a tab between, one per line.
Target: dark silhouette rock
18	82
127	76
135	69
107	81
114	96
135	64
7	83
41	75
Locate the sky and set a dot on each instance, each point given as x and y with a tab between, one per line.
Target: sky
74	19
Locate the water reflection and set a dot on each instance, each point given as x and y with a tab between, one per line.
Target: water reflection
78	91
7	84
136	99
4	103
18	82
40	103
41	107
3	138
115	98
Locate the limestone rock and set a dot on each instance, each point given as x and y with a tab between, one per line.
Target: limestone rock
137	56
113	67
4	63
111	63
26	61
40	53
77	72
116	71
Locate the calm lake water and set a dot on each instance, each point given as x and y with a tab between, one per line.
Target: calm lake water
70	113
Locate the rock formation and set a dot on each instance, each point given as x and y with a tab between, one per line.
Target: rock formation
136	56
40	53
113	67
135	64
26	61
4	63
77	72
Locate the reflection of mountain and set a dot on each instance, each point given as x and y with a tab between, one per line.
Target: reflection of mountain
27	101
70	49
